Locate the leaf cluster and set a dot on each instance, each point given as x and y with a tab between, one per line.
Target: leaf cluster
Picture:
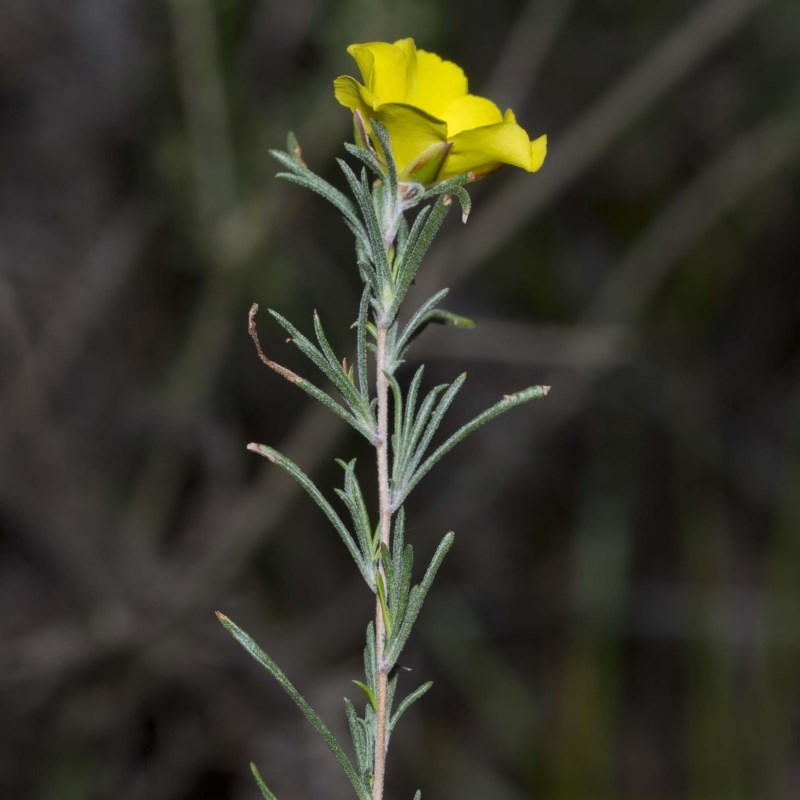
389	252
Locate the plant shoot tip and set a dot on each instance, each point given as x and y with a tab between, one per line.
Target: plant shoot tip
261	450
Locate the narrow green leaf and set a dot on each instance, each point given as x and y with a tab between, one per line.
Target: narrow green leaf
508	402
387	617
369	693
411	404
412	438
393	565
370	668
397	396
432	426
360	736
300	174
442	317
415	601
314	391
391	690
364	259
259	655
329	367
404	581
354	398
417	319
267	794
361	345
382	135
402	562
448	186
287	465
386	561
347	500
373	227
406	252
353	498
466	202
415	695
333	196
365	157
412	257
365	428
293	147
402	234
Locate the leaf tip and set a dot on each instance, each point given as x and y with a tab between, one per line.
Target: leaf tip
545	390
261	450
221	617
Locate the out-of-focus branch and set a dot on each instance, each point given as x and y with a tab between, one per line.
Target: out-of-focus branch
229	539
657	252
559	346
208	331
203	94
63	531
585	141
64	336
530	39
756	156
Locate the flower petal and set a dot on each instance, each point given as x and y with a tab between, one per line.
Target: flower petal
438	83
470	111
422	100
388	70
538	153
484	150
412	131
350	93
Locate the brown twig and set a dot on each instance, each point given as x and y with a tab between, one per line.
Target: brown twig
253	331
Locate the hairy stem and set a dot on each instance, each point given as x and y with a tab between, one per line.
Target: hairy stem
382	451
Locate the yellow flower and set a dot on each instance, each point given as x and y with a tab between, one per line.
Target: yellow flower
423	102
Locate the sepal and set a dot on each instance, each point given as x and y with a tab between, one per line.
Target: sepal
360	134
428	166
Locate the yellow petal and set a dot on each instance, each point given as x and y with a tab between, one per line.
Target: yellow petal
470	111
350	93
438	83
538	152
412	131
422	100
387	69
486	149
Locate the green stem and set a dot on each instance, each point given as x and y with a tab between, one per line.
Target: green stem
384	501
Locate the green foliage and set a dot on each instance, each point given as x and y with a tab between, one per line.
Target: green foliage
259	655
261	785
389	253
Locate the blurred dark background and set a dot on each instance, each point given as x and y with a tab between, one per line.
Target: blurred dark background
620	616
